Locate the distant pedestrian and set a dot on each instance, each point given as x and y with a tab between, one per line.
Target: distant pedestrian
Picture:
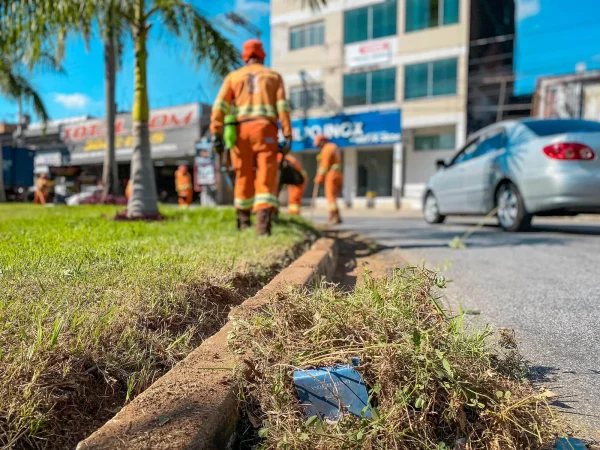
295	191
42	190
183	186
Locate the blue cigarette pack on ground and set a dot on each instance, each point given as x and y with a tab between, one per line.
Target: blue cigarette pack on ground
330	392
569	444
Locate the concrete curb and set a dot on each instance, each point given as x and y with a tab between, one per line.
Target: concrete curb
194	405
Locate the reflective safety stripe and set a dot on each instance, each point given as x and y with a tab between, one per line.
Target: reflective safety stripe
184	187
336	167
256	111
293	208
266	199
304	174
322	171
244	203
222	105
332	206
283	105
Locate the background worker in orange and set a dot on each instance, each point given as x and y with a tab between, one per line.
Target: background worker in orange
330	172
256	95
42	190
295	192
183	186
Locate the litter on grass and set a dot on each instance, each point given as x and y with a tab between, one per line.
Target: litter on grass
432	381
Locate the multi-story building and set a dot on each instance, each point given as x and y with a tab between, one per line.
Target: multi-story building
386	79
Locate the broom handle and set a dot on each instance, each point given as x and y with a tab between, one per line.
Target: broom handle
313	200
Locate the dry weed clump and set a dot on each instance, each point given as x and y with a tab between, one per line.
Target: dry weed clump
433	383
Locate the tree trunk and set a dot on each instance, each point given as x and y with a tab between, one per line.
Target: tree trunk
144	200
2	191
110	171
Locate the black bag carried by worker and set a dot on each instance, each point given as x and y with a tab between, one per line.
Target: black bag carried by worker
289	175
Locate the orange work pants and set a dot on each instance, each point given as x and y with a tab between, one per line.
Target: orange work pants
333	188
185	197
295	194
40	198
255	161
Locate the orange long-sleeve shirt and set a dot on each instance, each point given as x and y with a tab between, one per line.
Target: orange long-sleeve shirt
254	91
183	182
331	159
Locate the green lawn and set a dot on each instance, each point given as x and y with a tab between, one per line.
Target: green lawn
93	310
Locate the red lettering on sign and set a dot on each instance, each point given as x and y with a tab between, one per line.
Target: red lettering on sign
120	127
159	121
80	133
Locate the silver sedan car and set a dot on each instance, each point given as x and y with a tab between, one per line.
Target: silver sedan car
524	168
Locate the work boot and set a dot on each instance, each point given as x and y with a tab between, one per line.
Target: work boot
263	222
334	217
243	220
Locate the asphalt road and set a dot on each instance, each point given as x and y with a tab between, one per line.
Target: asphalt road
542	283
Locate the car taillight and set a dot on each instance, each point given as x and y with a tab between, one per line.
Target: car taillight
569	151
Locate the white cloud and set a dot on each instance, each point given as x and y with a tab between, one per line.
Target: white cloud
72	101
527	8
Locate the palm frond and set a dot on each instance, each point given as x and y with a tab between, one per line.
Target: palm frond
14	86
314	5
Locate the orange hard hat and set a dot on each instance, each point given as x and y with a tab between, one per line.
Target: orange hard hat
182	168
320	139
253	48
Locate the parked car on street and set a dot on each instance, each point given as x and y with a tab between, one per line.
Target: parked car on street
525	168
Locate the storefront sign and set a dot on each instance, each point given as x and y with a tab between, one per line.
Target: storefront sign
370	53
172	134
204	164
349	130
47	159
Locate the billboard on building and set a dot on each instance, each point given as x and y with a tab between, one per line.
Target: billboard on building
173	132
349	130
379	51
574	96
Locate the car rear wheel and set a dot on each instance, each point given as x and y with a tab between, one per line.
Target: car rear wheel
431	210
512	215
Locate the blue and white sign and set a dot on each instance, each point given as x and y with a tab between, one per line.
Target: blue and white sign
349	130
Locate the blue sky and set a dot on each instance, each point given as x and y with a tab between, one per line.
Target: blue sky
172	77
553	36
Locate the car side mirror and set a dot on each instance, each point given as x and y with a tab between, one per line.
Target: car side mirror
440	164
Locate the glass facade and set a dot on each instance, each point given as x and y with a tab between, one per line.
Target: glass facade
368	88
423	14
375	169
308	35
301	99
441	141
371	22
430	79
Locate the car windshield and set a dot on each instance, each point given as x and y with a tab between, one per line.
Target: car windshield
550	127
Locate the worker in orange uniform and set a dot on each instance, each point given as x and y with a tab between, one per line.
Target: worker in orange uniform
128	189
183	186
42	190
256	96
330	172
295	192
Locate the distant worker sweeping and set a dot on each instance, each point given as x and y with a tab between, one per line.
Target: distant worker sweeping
244	120
183	186
330	172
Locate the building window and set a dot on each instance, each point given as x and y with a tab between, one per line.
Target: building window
441	141
430	79
313	97
371	22
422	14
375	168
308	35
368	88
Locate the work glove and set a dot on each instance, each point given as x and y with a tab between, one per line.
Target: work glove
287	145
218	144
